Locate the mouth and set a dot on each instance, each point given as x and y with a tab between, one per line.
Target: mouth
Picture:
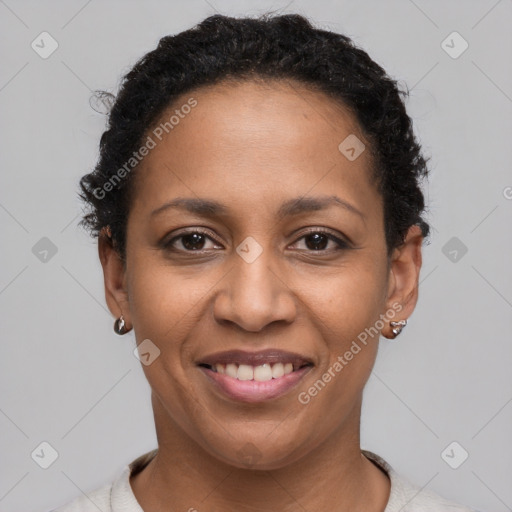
260	373
254	376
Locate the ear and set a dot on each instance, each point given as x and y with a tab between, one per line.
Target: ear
404	272
114	276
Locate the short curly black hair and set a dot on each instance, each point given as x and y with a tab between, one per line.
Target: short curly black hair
283	47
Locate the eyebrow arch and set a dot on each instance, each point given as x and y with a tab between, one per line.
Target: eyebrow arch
296	206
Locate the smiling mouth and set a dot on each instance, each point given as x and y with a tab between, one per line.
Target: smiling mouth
254	376
260	366
259	373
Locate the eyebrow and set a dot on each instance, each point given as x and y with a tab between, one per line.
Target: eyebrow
296	206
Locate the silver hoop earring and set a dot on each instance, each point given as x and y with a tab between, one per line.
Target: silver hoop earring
398	326
120	326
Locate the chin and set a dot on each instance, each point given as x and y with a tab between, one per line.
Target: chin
258	453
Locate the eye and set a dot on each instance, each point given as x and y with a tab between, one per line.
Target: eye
317	240
190	241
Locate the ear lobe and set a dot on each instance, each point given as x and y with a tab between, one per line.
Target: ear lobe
114	277
405	269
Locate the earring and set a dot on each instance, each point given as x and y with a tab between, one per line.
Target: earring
120	326
397	326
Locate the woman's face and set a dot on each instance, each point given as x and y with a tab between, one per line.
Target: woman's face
272	261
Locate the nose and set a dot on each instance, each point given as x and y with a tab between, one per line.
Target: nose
252	295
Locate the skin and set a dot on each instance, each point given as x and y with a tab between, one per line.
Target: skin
251	147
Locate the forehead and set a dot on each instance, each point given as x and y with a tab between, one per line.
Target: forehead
258	139
277	112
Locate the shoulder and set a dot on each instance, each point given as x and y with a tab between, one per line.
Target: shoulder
98	499
407	497
410	498
117	495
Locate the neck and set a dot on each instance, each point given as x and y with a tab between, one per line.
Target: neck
335	476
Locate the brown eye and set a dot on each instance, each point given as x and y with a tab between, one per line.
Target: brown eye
318	240
190	241
193	241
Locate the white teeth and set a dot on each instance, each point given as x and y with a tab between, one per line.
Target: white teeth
259	373
245	372
231	370
277	370
263	373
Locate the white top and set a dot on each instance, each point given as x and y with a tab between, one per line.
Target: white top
118	495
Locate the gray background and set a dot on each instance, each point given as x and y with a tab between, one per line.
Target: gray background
67	379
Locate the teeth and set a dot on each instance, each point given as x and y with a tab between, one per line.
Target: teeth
277	370
231	370
259	373
245	372
263	373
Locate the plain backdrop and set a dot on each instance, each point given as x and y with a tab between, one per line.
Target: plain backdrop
69	381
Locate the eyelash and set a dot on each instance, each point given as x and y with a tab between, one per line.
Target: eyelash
341	244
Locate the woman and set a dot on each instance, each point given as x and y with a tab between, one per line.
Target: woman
259	213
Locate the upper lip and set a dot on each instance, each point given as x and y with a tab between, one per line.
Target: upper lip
269	356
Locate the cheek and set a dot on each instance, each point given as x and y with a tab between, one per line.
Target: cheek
347	312
162	300
162	311
349	301
167	305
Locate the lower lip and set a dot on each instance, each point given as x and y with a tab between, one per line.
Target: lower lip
252	390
